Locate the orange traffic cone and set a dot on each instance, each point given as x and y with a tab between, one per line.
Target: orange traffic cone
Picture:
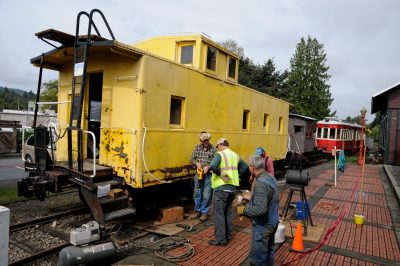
298	240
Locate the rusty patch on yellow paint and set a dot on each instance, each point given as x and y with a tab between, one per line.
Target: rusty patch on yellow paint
175	172
119	152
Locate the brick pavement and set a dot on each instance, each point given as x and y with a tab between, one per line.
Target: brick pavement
373	243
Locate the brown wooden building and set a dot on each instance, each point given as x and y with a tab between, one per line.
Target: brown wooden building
388	103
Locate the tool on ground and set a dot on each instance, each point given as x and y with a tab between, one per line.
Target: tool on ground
89	232
298	179
187	228
200	173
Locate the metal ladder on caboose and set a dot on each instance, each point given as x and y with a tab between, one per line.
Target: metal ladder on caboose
89	185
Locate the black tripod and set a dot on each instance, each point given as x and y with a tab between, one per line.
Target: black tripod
304	205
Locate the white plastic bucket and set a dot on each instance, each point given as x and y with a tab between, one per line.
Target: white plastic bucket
280	234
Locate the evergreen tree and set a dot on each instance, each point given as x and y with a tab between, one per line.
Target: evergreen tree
308	80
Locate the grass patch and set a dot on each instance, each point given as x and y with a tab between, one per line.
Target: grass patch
8	195
352	159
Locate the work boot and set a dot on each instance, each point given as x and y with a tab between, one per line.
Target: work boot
203	217
195	215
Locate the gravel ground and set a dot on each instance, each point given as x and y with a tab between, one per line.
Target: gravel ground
31	209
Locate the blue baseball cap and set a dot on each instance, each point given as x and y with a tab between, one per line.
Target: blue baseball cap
259	151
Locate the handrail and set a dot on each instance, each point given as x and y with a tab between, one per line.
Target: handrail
94	151
144	159
23	141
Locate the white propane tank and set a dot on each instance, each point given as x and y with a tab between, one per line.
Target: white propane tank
280	233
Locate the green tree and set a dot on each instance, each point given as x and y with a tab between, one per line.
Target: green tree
264	78
353	120
308	80
49	93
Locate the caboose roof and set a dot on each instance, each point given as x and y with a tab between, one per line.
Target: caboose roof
64	53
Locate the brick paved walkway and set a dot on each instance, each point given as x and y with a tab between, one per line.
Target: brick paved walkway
373	243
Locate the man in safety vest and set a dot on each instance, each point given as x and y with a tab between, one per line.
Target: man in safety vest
226	167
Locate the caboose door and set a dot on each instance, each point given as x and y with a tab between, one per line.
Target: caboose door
94	111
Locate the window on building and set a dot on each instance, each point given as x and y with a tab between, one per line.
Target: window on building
246	119
266	122
211	58
298	129
232	67
280	125
187	54
176	111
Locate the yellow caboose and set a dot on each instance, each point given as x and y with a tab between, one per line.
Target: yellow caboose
138	109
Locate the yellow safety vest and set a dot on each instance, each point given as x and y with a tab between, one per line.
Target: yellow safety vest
229	166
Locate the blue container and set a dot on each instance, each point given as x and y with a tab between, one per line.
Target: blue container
300	214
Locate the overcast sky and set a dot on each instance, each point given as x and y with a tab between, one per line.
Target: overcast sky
361	37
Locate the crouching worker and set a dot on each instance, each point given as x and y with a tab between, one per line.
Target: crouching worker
263	210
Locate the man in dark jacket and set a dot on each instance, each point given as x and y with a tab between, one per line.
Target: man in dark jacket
263	210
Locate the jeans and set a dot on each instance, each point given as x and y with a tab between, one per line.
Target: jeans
202	196
262	245
222	215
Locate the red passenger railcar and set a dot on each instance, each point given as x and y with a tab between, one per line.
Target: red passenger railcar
331	133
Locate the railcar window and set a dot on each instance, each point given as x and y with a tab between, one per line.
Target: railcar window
280	125
339	131
246	116
332	133
175	114
266	123
319	132
187	54
211	58
232	68
298	129
325	133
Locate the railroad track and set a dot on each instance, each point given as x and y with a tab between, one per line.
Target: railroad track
37	239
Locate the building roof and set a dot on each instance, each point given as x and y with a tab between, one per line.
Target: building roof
379	100
303	117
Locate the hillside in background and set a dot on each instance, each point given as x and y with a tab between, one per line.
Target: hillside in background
15	98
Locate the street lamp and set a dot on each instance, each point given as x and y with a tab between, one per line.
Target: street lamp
360	155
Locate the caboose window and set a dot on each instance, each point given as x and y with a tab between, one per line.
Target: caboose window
280	125
232	68
266	122
175	114
245	123
211	58
187	54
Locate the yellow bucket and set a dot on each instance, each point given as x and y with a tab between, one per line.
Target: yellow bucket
358	219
